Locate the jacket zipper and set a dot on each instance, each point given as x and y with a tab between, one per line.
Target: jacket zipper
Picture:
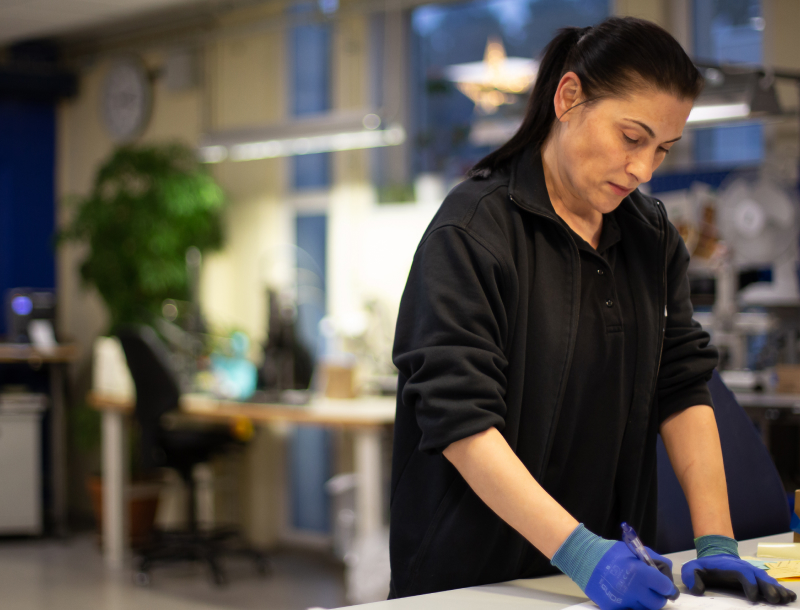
562	386
662	317
662	305
662	311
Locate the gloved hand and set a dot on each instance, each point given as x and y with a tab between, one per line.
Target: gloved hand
718	565
612	576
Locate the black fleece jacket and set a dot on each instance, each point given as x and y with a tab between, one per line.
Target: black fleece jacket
486	333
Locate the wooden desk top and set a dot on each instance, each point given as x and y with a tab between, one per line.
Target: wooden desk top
362	412
24	352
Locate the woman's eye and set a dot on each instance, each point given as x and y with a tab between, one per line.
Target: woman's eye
664	150
629	140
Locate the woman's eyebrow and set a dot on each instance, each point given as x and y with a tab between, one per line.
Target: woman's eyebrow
650	132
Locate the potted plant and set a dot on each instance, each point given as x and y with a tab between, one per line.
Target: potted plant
149	205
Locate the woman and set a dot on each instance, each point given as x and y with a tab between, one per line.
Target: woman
545	337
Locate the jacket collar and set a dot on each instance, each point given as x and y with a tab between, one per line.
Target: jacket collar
526	184
527	188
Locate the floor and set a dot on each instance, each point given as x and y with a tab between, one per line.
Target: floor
47	574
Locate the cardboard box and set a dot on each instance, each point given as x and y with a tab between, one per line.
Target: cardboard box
339	381
788	378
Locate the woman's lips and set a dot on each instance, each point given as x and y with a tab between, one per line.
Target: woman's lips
619	190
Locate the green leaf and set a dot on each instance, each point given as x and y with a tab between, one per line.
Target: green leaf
148	205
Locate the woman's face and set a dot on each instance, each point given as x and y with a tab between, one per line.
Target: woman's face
607	148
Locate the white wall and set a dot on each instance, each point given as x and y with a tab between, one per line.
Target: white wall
371	248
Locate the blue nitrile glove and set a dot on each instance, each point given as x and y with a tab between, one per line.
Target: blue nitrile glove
612	576
718	565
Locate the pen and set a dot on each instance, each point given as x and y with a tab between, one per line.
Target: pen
632	541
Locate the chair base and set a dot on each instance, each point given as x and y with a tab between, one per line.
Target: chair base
207	547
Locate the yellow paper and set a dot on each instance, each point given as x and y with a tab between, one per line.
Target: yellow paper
783	570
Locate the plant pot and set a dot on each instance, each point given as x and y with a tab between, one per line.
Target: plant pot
142	499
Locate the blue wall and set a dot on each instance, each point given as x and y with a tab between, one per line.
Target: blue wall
27	196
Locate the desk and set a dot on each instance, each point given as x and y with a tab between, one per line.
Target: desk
768	400
548	592
366	416
56	360
764	407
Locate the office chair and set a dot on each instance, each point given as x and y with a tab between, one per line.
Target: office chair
165	442
755	492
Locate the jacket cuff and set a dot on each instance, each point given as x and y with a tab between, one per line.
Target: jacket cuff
436	440
690	396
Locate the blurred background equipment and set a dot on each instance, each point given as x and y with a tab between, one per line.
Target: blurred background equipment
26	305
755	221
234	374
287	363
759	221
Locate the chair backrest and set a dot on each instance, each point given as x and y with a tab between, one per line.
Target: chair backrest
157	388
757	499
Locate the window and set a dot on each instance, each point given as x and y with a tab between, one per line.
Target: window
310	70
729	31
450	34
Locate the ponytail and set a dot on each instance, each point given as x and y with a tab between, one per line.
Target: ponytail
616	57
540	113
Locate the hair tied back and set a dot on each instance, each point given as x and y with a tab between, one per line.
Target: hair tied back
622	54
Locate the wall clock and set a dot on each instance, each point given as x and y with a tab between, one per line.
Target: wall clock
126	98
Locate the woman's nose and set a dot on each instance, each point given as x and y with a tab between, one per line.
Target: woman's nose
640	166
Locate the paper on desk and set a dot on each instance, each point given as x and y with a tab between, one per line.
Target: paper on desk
783	570
755	561
692	602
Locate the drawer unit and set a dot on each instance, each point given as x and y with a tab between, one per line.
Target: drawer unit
20	469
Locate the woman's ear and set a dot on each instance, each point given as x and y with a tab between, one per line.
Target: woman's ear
567	95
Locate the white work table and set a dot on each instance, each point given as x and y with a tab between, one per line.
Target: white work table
548	592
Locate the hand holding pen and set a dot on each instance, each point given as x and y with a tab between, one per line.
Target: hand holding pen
614	576
632	541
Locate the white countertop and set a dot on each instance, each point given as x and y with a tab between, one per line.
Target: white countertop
546	593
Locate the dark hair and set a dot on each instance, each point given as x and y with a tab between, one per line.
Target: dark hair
614	58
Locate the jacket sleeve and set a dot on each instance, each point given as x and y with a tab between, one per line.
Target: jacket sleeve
687	359
448	343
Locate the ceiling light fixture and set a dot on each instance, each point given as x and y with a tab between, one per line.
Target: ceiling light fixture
495	81
329	133
718	112
732	94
